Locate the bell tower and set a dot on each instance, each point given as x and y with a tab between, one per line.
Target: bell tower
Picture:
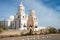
21	16
30	22
21	8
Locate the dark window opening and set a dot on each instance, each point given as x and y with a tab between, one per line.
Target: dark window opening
31	25
24	25
23	16
15	24
19	23
35	26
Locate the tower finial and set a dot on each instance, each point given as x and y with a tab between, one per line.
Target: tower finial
21	6
21	2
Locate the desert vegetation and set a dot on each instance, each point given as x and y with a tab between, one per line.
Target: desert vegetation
2	27
48	30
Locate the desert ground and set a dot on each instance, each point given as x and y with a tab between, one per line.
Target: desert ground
35	37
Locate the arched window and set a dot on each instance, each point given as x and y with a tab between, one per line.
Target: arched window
23	16
31	25
35	26
24	25
15	24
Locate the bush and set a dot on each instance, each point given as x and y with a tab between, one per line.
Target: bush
58	30
27	33
1	30
43	31
52	30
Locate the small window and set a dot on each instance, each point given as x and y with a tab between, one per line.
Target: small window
23	16
35	26
24	25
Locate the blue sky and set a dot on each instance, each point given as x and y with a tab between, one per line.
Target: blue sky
47	11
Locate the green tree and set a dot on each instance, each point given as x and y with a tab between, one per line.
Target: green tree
52	30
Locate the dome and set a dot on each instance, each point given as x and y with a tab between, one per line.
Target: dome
21	5
11	17
32	11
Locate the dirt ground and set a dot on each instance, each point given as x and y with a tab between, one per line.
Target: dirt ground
35	37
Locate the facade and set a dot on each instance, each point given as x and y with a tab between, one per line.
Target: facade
32	21
22	21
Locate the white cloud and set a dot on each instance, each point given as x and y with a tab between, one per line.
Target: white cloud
47	16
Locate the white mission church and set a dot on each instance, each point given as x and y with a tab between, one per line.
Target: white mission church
22	21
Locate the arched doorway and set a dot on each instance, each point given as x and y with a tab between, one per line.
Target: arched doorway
31	32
